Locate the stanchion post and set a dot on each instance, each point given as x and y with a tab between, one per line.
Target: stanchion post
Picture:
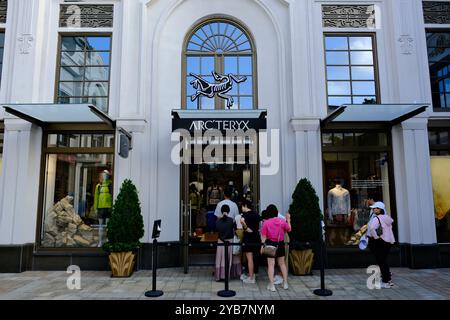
226	293
154	293
322	291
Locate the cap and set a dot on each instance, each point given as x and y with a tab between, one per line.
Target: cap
379	205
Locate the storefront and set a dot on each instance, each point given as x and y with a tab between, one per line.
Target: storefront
278	67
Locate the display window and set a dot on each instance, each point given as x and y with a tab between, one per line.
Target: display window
440	176
78	189
356	174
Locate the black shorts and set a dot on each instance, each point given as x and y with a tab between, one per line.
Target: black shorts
281	251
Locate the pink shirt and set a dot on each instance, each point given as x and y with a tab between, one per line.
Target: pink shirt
386	224
274	229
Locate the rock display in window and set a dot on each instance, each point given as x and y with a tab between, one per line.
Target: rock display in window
63	227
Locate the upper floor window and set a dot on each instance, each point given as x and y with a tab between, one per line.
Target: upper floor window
222	47
351	69
84	69
438	43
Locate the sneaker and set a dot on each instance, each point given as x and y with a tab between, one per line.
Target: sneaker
285	286
249	280
277	280
243	276
271	287
391	283
385	285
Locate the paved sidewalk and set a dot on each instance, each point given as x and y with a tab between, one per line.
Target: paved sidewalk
199	284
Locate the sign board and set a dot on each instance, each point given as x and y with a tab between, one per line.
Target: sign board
156	229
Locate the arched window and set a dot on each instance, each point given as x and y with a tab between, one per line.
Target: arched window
223	47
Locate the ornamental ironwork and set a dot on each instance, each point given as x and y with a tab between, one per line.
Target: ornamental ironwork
436	12
348	16
223	85
3	10
86	16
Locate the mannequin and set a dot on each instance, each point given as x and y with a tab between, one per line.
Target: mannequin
103	202
195	202
338	204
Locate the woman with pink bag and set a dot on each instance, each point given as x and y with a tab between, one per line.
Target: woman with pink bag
272	234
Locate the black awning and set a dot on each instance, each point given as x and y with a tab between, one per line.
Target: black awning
43	114
223	120
387	114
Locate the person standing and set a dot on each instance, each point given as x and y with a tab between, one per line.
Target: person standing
234	210
272	233
250	224
381	240
225	227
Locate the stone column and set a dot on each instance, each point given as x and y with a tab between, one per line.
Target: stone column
308	153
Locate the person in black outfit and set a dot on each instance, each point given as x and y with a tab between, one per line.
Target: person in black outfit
250	223
225	227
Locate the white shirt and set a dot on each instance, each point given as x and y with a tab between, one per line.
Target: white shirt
234	211
237	219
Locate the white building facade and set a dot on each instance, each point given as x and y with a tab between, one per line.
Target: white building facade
132	59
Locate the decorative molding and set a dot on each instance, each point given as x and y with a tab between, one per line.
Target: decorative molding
3	10
86	16
436	12
348	16
406	44
25	43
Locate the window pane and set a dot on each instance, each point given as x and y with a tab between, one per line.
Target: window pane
432	137
245	66
338	101
97	58
364	100
360	43
338	73
327	139
348	139
363	87
100	103
96	89
338	87
336	43
231	65
207	65
97	73
207	103
86	141
71	73
246	103
440	175
73	43
363	175
363	73
75	194
98	43
338	58
245	88
443	137
189	88
70	99
71	88
191	104
361	58
72	58
193	65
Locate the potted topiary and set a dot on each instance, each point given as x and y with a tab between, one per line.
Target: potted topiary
124	230
305	221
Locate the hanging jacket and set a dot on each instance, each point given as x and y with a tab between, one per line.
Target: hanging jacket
102	196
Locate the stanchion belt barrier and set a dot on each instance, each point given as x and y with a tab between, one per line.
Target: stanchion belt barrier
226	292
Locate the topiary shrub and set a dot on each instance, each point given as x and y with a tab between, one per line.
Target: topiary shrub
126	226
305	216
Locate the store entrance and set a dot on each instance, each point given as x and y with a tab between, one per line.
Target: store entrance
203	186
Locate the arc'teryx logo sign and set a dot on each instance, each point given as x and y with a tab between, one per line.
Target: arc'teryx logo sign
220	125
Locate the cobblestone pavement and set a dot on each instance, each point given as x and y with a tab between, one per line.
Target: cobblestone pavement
199	284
